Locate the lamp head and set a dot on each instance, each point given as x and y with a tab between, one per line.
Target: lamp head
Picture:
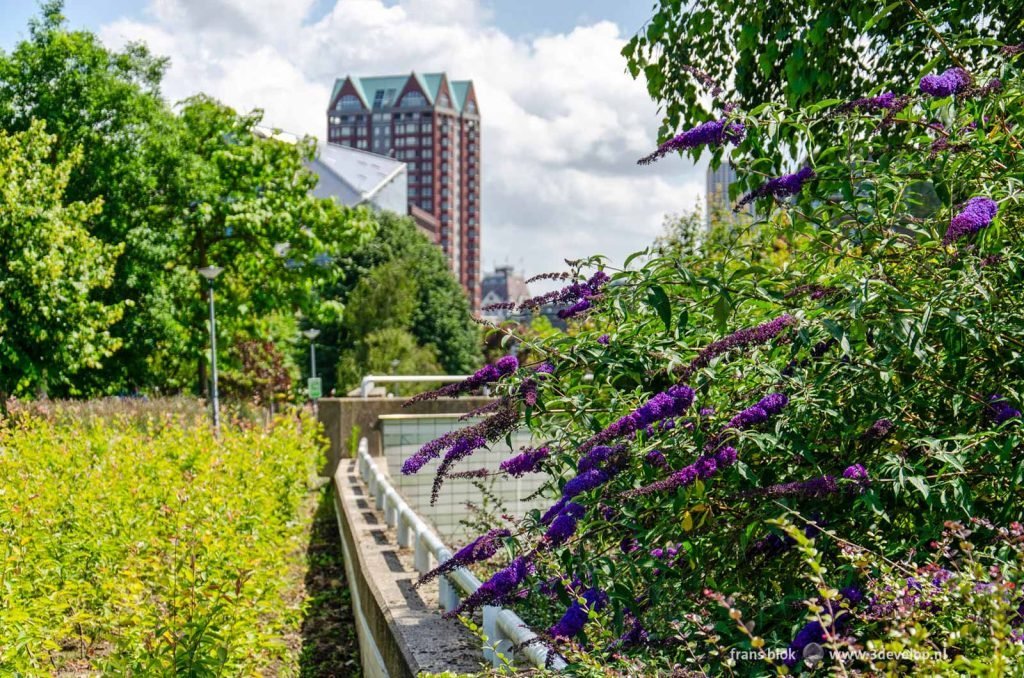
311	334
210	272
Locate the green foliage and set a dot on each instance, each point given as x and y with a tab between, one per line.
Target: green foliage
51	323
799	53
888	319
178	191
141	545
399	280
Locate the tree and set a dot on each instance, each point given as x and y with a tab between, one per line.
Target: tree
52	325
180	191
412	278
799	53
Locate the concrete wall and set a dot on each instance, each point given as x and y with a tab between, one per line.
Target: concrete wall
340	415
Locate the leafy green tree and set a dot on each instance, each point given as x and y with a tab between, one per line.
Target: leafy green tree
800	53
416	287
391	350
180	191
51	323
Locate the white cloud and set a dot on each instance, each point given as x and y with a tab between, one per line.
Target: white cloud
563	122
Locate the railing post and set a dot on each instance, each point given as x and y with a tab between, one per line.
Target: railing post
390	509
402	528
498	644
422	557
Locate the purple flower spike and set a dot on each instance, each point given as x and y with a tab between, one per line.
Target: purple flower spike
725	457
951	82
856	472
887	101
1000	411
603	339
706	467
656	459
880	429
711	133
564	524
681	478
525	462
486	374
496	590
672	403
586	481
773	403
575	618
779	187
749	336
481	548
977	213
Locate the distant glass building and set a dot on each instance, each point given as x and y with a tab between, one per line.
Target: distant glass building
432	124
718	205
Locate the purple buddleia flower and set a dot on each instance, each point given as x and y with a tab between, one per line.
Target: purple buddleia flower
564	524
815	292
856	472
880	429
544	368
481	548
977	213
496	590
486	374
635	633
712	85
462	448
656	459
725	457
711	133
597	457
528	392
525	462
779	187
813	487
773	403
765	408
1013	50
570	294
553	511
681	478
751	416
586	481
750	336
575	618
950	82
813	632
887	101
673	402
580	307
1000	410
603	339
706	467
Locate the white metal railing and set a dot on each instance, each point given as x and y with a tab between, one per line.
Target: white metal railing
503	628
370	380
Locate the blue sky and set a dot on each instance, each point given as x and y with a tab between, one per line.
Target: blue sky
563	124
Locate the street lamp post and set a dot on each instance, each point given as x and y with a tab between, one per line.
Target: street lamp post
210	273
312	334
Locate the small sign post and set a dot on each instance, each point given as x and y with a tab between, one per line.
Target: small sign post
315	388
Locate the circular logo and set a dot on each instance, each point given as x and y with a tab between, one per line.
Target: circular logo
813	654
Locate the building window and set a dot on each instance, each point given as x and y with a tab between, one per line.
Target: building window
361	144
428	191
425	127
413	100
348	102
427	205
428	153
361	131
471	107
346	130
412	191
443	101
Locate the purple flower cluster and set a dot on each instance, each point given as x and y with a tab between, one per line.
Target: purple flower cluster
580	307
815	292
887	101
603	339
705	467
463	440
670	403
819	486
635	633
977	213
575	618
656	459
856	472
525	462
1013	50
486	374
585	482
953	81
779	187
1000	410
577	291
880	430
528	392
481	548
711	133
760	412
599	456
813	632
713	87
749	336
563	525
498	589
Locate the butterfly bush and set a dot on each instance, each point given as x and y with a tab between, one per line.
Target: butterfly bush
795	411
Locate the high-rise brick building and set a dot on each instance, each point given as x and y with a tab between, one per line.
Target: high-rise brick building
433	125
